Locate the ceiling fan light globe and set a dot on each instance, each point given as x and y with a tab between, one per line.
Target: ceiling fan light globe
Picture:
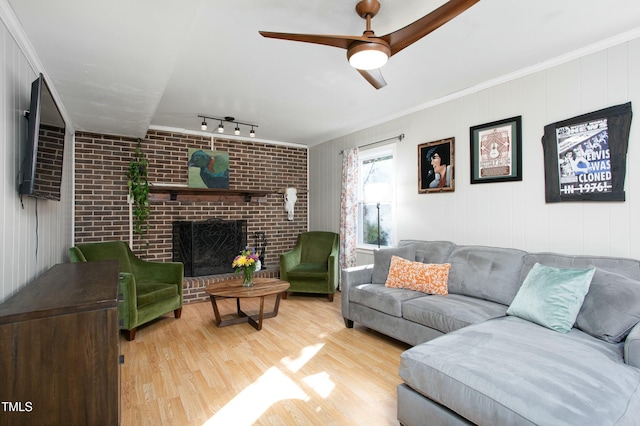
368	56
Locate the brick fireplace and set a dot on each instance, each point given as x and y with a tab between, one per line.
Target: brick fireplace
101	211
208	247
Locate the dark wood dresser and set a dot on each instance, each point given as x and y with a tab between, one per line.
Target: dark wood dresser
59	348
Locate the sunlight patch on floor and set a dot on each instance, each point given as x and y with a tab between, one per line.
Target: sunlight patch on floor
272	387
320	383
247	407
306	354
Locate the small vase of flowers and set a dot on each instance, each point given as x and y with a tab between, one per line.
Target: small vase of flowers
246	263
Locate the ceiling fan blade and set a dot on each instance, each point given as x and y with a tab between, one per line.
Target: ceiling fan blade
341	41
413	32
374	77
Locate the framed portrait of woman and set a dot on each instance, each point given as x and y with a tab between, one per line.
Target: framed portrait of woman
436	166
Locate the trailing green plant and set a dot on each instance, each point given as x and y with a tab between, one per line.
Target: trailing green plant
139	190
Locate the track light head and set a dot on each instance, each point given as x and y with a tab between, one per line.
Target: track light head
237	130
203	126
252	133
221	128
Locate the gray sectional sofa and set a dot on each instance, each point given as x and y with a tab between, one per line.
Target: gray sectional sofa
472	363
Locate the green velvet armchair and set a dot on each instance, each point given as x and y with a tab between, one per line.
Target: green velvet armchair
312	265
147	290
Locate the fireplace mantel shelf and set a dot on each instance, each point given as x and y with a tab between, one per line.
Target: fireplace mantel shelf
183	193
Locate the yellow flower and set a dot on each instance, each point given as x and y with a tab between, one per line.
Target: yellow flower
246	260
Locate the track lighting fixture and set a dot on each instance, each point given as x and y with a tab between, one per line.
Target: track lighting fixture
227	119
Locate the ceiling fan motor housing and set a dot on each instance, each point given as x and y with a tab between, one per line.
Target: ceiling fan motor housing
368	8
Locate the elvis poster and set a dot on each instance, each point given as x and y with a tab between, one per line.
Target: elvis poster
585	157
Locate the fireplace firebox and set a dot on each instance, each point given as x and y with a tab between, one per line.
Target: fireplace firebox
208	247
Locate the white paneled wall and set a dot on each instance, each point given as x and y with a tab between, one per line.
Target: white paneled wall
35	234
327	162
510	214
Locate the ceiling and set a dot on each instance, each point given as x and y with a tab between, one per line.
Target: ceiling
120	66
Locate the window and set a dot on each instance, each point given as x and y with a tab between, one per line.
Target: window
376	197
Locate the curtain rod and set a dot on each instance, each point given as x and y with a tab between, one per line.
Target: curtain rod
399	137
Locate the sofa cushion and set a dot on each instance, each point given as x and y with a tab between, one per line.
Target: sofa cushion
611	308
488	273
428	278
147	293
507	371
449	313
381	298
382	261
552	297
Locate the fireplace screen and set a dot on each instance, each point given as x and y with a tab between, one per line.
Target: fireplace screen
208	247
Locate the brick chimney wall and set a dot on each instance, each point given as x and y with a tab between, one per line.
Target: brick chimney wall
102	212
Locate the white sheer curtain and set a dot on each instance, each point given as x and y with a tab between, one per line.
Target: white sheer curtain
349	208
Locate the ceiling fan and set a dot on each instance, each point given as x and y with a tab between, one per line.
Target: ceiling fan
368	52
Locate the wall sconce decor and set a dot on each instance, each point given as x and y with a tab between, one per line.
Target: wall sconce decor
227	119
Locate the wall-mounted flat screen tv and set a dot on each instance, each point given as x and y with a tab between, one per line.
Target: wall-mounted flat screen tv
42	166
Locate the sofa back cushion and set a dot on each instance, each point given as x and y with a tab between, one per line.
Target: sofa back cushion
612	305
108	250
611	308
382	260
430	251
420	251
488	273
627	267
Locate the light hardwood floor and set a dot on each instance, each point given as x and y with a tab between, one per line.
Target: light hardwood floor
304	368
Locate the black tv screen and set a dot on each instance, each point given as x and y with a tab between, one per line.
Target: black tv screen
42	166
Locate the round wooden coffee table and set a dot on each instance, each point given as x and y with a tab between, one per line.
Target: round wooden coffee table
233	289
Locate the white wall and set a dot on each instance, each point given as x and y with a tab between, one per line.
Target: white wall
35	235
509	214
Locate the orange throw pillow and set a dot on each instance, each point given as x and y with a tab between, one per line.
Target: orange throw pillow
425	277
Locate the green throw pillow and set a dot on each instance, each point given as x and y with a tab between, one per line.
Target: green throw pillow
552	297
